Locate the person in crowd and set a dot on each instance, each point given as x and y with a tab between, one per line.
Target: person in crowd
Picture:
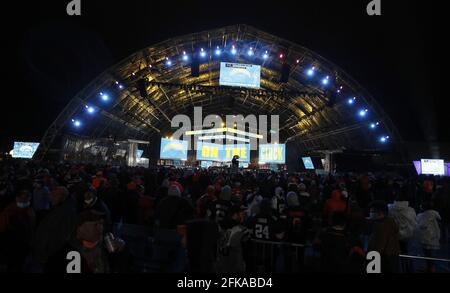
278	202
146	207
335	204
56	227
253	200
235	165
90	201
429	232
171	216
202	236
405	218
230	246
98	254
261	226
173	210
111	197
99	181
223	204
40	199
205	204
303	195
339	251
17	223
384	237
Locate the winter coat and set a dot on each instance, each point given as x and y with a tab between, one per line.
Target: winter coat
405	217
428	229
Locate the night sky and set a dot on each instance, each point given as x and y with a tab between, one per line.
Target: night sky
49	56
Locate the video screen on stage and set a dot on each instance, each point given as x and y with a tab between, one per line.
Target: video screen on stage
206	164
272	153
222	153
242	75
432	167
308	163
24	150
173	149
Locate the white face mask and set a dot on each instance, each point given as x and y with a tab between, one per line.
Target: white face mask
23	205
89	201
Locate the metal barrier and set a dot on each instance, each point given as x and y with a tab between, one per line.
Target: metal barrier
422	264
265	256
307	259
261	256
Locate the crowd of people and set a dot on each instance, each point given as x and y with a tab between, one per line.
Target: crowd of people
211	220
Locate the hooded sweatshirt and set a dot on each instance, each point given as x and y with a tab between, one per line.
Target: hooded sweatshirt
428	229
405	217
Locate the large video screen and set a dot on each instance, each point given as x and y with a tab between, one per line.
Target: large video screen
24	150
222	153
242	75
272	153
432	167
208	151
308	163
173	149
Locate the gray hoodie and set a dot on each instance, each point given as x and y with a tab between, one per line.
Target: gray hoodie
428	229
405	217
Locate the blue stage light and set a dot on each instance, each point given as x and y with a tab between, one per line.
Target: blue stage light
185	56
202	53
233	50
310	72
105	97
363	112
250	52
218	51
325	80
90	109
76	123
384	139
266	55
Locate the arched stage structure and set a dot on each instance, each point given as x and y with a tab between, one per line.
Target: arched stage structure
137	98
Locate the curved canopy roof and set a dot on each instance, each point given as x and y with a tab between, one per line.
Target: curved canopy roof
312	115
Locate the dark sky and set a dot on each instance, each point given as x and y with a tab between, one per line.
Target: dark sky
49	56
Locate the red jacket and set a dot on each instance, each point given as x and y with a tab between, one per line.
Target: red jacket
335	203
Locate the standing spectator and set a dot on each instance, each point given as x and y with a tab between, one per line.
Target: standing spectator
303	196
201	244
205	203
405	218
339	252
99	182
56	227
429	232
173	210
88	241
334	204
145	207
384	237
230	248
41	200
92	202
17	223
